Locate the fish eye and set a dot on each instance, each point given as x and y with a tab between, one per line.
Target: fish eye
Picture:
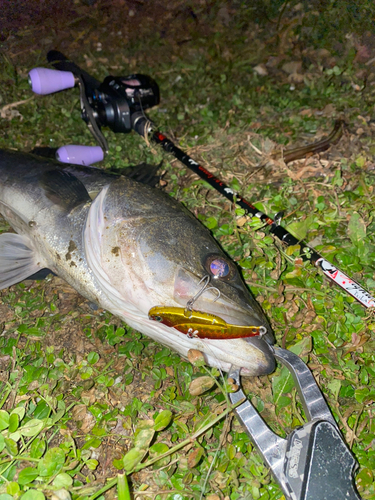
219	267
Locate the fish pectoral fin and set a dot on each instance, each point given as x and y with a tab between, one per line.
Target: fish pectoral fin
18	259
64	189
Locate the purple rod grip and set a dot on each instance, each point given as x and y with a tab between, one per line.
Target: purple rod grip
79	155
47	81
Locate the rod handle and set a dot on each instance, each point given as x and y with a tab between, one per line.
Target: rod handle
79	155
45	81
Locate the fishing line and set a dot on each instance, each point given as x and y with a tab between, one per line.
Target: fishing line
220	446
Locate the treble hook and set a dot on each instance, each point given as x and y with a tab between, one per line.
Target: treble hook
206	278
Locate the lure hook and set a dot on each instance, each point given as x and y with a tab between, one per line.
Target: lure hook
206	279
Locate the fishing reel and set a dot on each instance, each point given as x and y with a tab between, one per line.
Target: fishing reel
119	98
118	103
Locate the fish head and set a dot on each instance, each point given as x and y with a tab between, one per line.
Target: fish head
157	254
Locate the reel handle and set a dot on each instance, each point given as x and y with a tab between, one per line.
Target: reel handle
79	155
45	81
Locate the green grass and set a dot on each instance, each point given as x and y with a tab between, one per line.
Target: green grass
84	399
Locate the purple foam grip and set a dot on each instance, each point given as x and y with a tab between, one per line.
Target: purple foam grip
80	155
47	81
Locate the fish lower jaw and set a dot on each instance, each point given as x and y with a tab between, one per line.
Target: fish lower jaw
253	371
222	354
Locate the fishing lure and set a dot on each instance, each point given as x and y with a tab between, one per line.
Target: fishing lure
202	325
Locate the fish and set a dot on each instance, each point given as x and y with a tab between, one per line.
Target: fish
129	249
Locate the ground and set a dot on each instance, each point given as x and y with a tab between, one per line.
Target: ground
240	83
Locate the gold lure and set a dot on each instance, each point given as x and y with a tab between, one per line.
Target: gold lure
202	325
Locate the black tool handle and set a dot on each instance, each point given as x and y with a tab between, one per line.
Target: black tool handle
319	465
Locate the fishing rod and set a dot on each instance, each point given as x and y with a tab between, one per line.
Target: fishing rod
119	103
307	253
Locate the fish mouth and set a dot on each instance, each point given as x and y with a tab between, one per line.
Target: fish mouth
264	353
252	356
213	302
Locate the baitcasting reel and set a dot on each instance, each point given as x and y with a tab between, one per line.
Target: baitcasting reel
117	103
